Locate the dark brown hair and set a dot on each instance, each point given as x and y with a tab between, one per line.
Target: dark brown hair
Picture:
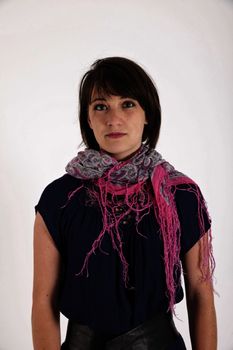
121	77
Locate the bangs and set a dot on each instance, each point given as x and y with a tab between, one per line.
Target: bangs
116	82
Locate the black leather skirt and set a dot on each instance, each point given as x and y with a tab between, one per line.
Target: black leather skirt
158	333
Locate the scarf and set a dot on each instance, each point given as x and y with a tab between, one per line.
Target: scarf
122	184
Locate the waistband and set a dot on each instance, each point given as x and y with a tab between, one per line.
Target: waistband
157	333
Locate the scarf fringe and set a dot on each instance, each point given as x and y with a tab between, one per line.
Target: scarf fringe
167	217
138	202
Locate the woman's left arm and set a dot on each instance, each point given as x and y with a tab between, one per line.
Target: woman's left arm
200	302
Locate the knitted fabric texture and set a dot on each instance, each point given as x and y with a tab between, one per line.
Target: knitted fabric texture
123	183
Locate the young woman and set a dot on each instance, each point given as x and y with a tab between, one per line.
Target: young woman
113	234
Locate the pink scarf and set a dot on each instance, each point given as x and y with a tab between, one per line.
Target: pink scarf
111	178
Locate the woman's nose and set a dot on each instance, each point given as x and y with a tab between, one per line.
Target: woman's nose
114	117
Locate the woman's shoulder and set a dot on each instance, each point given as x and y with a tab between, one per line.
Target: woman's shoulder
63	184
188	193
57	191
64	181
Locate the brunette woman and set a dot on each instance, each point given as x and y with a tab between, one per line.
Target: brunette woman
113	235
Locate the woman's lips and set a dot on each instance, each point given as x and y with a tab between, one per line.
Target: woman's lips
115	135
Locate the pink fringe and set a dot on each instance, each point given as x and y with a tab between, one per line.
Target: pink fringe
71	194
107	202
166	214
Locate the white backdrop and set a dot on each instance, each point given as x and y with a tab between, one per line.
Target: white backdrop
45	47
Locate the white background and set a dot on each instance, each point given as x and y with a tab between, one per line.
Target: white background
45	48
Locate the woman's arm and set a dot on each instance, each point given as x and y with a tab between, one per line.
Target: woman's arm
200	303
45	313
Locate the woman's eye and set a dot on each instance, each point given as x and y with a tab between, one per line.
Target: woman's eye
128	104
100	107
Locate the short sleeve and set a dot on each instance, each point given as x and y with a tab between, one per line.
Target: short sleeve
193	215
50	204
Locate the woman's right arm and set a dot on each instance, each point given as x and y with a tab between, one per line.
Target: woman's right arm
45	313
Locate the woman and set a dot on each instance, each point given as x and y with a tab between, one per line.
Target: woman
113	233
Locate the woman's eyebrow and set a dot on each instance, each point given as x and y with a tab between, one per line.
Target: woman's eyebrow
98	99
104	99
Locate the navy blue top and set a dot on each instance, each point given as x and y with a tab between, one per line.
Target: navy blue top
101	300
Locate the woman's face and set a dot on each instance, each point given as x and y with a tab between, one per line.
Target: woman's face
117	123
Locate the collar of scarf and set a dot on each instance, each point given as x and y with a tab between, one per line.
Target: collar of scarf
111	178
